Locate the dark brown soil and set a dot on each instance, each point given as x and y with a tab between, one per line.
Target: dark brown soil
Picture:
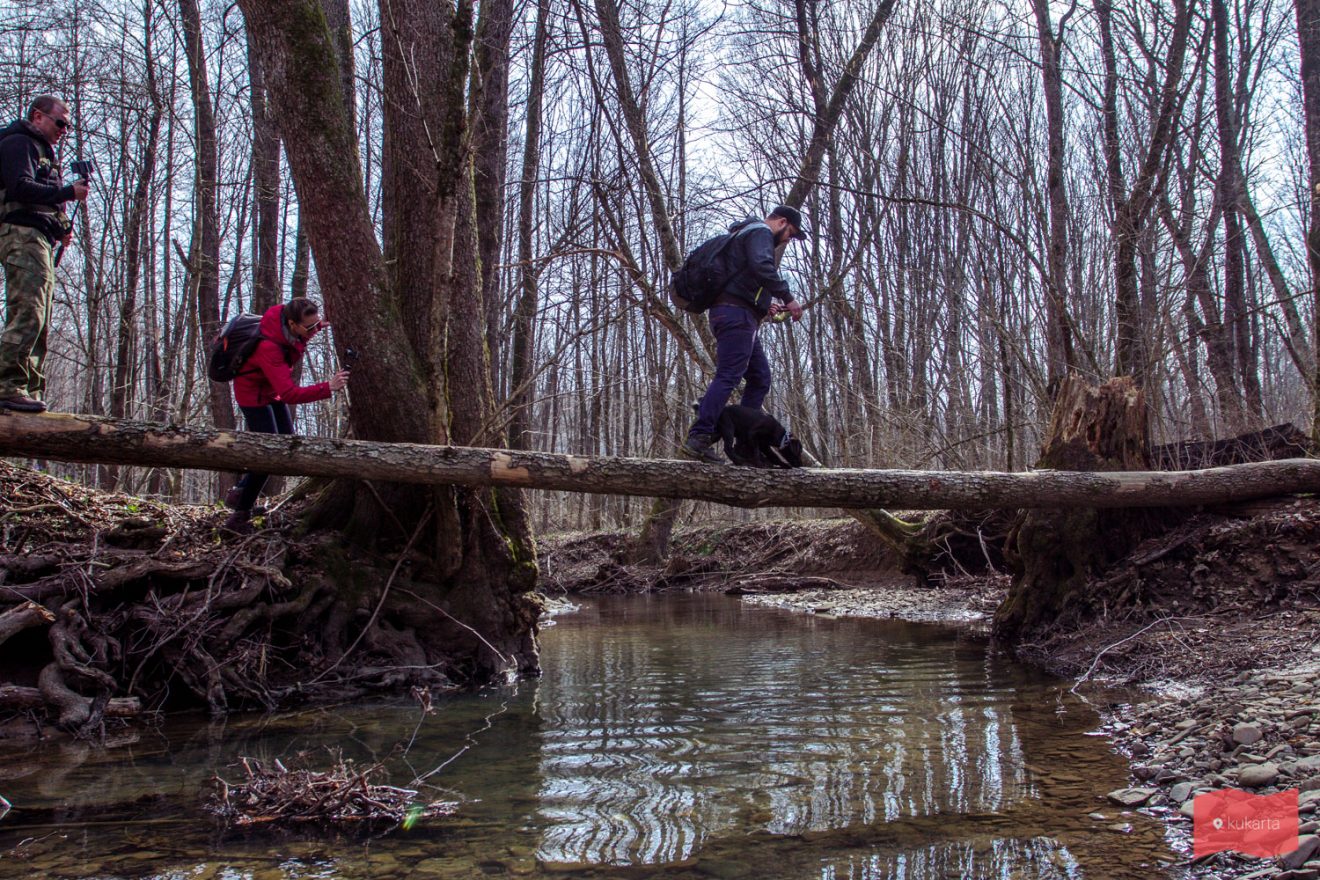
1222	593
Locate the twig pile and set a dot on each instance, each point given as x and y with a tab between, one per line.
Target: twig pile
273	794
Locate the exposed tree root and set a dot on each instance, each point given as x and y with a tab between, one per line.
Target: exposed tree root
111	606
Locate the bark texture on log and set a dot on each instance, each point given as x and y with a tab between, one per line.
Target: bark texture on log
92	439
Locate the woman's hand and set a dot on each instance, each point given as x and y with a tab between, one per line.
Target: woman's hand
339	380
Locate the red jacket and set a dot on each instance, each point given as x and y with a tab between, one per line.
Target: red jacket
267	376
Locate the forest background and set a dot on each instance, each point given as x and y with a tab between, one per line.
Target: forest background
1011	191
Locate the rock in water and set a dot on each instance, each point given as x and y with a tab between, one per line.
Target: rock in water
1132	797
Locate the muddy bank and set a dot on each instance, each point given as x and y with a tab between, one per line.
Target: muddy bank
831	566
1216	625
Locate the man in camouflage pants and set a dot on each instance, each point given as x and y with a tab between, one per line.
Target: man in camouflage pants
32	222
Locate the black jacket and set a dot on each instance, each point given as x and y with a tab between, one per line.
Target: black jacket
758	278
30	176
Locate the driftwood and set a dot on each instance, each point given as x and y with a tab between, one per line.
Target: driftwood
110	441
271	794
752	585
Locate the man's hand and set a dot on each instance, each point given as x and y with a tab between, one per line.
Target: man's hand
339	380
80	190
67	239
795	309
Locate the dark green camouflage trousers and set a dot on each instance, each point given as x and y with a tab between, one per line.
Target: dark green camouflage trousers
29	292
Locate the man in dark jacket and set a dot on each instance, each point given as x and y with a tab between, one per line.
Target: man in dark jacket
32	221
735	318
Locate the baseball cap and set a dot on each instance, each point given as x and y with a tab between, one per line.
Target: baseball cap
794	216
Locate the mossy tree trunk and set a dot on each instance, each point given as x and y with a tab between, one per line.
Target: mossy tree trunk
413	305
1055	552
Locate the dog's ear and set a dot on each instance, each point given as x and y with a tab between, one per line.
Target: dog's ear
793	452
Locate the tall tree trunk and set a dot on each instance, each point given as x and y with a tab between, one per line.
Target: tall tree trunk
425	330
135	223
1208	325
165	355
266	187
490	122
204	256
1228	189
1308	39
522	378
302	259
1132	208
1060	359
611	32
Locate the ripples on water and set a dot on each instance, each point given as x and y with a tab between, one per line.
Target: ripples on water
674	737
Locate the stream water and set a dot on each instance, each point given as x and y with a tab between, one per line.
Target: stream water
670	737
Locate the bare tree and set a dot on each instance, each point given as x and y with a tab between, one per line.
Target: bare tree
204	252
426	329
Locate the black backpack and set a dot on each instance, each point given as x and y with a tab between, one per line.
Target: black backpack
233	347
704	273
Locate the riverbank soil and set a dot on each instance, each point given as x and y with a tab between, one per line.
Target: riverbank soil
113	606
1215	624
826	565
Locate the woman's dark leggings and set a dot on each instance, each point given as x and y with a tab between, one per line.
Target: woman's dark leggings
271	419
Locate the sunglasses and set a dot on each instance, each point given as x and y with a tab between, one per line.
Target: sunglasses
308	328
61	124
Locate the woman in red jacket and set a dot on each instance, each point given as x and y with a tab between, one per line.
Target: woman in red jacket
264	389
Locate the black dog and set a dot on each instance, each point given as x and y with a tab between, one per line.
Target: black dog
756	439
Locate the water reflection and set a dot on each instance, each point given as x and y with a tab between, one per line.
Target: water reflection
660	742
672	737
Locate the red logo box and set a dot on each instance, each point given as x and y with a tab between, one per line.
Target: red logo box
1254	825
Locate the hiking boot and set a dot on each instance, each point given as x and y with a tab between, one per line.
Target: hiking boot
700	447
234	497
22	403
239	522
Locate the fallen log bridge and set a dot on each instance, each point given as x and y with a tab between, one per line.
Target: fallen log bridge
98	440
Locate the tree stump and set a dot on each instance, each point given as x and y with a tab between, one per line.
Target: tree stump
1054	553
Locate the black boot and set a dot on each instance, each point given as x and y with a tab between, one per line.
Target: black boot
700	447
239	522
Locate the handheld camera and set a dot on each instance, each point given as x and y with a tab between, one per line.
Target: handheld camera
84	168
